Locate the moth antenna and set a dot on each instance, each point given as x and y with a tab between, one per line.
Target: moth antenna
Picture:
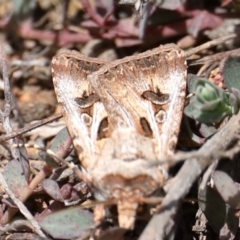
152	200
94	203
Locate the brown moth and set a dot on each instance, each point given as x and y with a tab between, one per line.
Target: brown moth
81	108
134	108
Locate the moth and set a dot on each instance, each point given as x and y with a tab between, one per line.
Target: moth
123	116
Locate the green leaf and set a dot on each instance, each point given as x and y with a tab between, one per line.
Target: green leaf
52	189
192	82
227	189
23	158
234	103
220	216
67	224
57	146
210	104
231	72
59	140
213	207
14	176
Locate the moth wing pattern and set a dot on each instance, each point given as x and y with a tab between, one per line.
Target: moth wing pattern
146	92
70	70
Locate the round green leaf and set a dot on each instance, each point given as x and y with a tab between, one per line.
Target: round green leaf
67	224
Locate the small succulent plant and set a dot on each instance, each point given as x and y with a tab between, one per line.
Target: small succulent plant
211	104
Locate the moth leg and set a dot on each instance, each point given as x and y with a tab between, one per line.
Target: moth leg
99	213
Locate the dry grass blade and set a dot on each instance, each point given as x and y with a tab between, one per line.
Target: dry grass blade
21	207
209	44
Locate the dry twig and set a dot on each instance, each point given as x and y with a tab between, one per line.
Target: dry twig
5	117
162	224
29	128
209	44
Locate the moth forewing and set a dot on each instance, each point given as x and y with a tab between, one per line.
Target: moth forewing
143	96
83	118
173	83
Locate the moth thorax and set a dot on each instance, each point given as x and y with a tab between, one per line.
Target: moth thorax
129	144
127	211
